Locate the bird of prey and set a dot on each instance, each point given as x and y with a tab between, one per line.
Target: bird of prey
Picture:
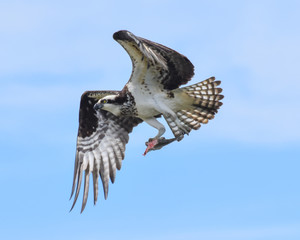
107	117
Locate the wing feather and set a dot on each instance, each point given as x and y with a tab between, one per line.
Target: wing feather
76	169
112	164
119	156
104	172
155	62
95	185
100	145
78	186
86	188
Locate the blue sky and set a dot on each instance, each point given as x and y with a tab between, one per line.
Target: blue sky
235	178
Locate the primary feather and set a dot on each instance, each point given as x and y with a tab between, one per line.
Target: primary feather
107	117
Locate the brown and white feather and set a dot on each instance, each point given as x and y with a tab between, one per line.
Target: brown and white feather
152	90
203	103
100	145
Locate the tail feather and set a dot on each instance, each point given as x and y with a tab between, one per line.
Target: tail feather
189	119
204	104
206	94
175	129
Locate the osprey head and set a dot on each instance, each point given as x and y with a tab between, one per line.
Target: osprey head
109	103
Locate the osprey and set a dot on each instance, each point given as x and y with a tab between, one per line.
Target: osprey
107	117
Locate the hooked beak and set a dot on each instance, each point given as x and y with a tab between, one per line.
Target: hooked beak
98	106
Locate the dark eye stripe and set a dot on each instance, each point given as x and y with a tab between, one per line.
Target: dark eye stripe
107	101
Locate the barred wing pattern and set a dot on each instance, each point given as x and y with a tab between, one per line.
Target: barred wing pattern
207	100
100	145
154	61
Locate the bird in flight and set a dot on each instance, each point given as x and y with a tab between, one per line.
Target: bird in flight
107	117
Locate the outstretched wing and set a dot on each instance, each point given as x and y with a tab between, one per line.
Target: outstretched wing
153	62
100	145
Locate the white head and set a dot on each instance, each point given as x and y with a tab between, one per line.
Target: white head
109	103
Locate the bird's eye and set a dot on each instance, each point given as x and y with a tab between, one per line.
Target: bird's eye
104	101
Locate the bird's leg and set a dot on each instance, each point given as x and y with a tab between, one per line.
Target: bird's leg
156	124
171	116
152	142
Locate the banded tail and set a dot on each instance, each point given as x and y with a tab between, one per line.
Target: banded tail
203	102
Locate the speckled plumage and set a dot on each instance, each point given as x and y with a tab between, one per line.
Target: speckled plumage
107	117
